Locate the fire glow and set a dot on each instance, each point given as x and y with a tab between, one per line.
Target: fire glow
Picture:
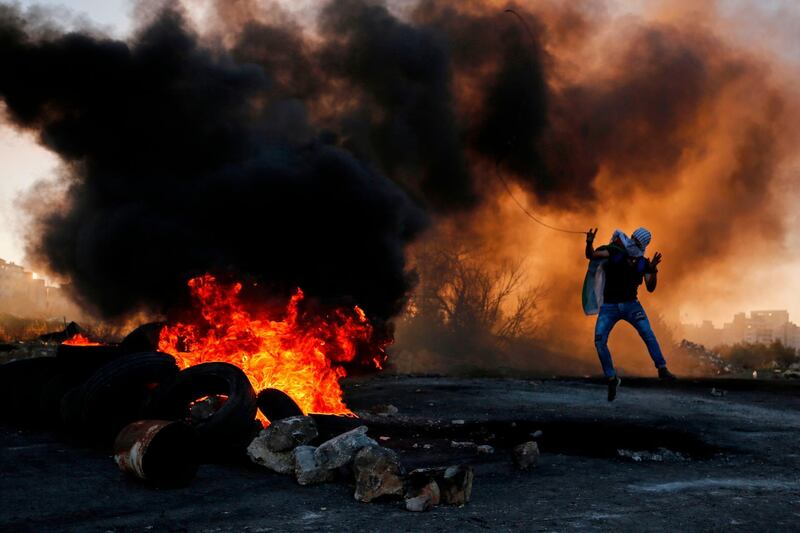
81	340
297	354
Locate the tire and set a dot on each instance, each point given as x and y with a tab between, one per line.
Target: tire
52	394
230	427
276	404
21	385
115	395
70	410
142	339
87	359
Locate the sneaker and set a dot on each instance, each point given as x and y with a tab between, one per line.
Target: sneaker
613	385
666	375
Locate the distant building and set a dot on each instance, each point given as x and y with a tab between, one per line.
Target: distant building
23	294
763	327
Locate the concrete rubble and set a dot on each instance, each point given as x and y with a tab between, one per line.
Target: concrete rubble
661	455
285	434
454	483
526	455
340	450
384	410
378	473
280	462
307	470
423	498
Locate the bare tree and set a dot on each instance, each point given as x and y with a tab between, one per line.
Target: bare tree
463	294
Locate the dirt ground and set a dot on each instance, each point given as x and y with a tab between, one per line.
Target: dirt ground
733	462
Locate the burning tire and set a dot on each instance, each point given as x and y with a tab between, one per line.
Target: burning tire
276	404
229	427
115	395
142	339
86	359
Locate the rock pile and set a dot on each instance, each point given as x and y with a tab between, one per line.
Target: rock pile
377	472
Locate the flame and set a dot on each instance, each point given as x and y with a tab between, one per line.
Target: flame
81	340
298	354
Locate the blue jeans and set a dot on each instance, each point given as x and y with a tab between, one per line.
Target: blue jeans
633	313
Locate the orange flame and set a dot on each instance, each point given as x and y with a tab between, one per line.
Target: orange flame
299	355
81	340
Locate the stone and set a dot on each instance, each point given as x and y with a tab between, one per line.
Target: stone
280	462
341	449
462	444
384	409
378	472
423	498
418	504
285	434
306	469
456	485
485	449
202	409
526	455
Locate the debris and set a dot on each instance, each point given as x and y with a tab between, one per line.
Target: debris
456	488
464	444
419	503
287	433
485	449
259	453
661	455
457	422
306	469
717	392
454	482
384	409
202	409
427	446
537	434
157	451
384	438
340	450
378	472
423	498
526	455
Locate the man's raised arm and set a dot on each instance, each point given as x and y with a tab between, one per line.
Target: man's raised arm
651	273
591	253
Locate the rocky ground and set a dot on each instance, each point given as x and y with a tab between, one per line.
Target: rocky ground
661	457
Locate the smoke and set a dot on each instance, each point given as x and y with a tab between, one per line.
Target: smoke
311	150
178	165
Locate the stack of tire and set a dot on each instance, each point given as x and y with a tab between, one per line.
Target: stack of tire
92	392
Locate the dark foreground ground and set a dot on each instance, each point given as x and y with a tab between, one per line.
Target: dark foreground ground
738	468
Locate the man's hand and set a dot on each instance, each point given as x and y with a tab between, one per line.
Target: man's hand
655	260
650	276
590	253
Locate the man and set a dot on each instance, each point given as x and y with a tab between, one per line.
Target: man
624	267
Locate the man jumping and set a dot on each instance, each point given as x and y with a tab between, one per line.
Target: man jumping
624	266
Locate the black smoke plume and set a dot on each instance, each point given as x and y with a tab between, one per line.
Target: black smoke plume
180	163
